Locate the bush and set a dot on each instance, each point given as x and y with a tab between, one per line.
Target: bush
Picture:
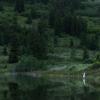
27	64
96	65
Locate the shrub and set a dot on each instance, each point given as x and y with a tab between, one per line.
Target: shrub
27	64
96	65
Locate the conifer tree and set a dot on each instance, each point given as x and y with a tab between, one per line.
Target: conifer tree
1	6
14	50
85	54
71	43
37	44
29	19
19	6
33	13
5	52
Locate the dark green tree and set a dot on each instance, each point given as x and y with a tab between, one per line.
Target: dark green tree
74	4
98	57
85	54
37	44
29	19
5	52
74	25
14	50
72	53
84	40
56	15
19	6
34	13
1	6
71	45
94	43
42	26
43	1
51	18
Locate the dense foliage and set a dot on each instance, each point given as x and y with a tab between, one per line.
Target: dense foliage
32	27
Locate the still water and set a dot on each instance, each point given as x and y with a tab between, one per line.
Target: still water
23	87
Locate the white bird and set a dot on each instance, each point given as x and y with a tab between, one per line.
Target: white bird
84	75
84	80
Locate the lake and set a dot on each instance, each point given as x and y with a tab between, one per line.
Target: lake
23	87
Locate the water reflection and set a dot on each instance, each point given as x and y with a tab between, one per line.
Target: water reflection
31	88
84	82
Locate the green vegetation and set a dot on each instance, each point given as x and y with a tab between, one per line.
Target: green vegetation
54	39
31	62
49	35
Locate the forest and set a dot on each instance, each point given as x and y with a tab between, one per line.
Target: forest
57	40
49	34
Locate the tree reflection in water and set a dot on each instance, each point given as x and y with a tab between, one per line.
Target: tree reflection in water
29	88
